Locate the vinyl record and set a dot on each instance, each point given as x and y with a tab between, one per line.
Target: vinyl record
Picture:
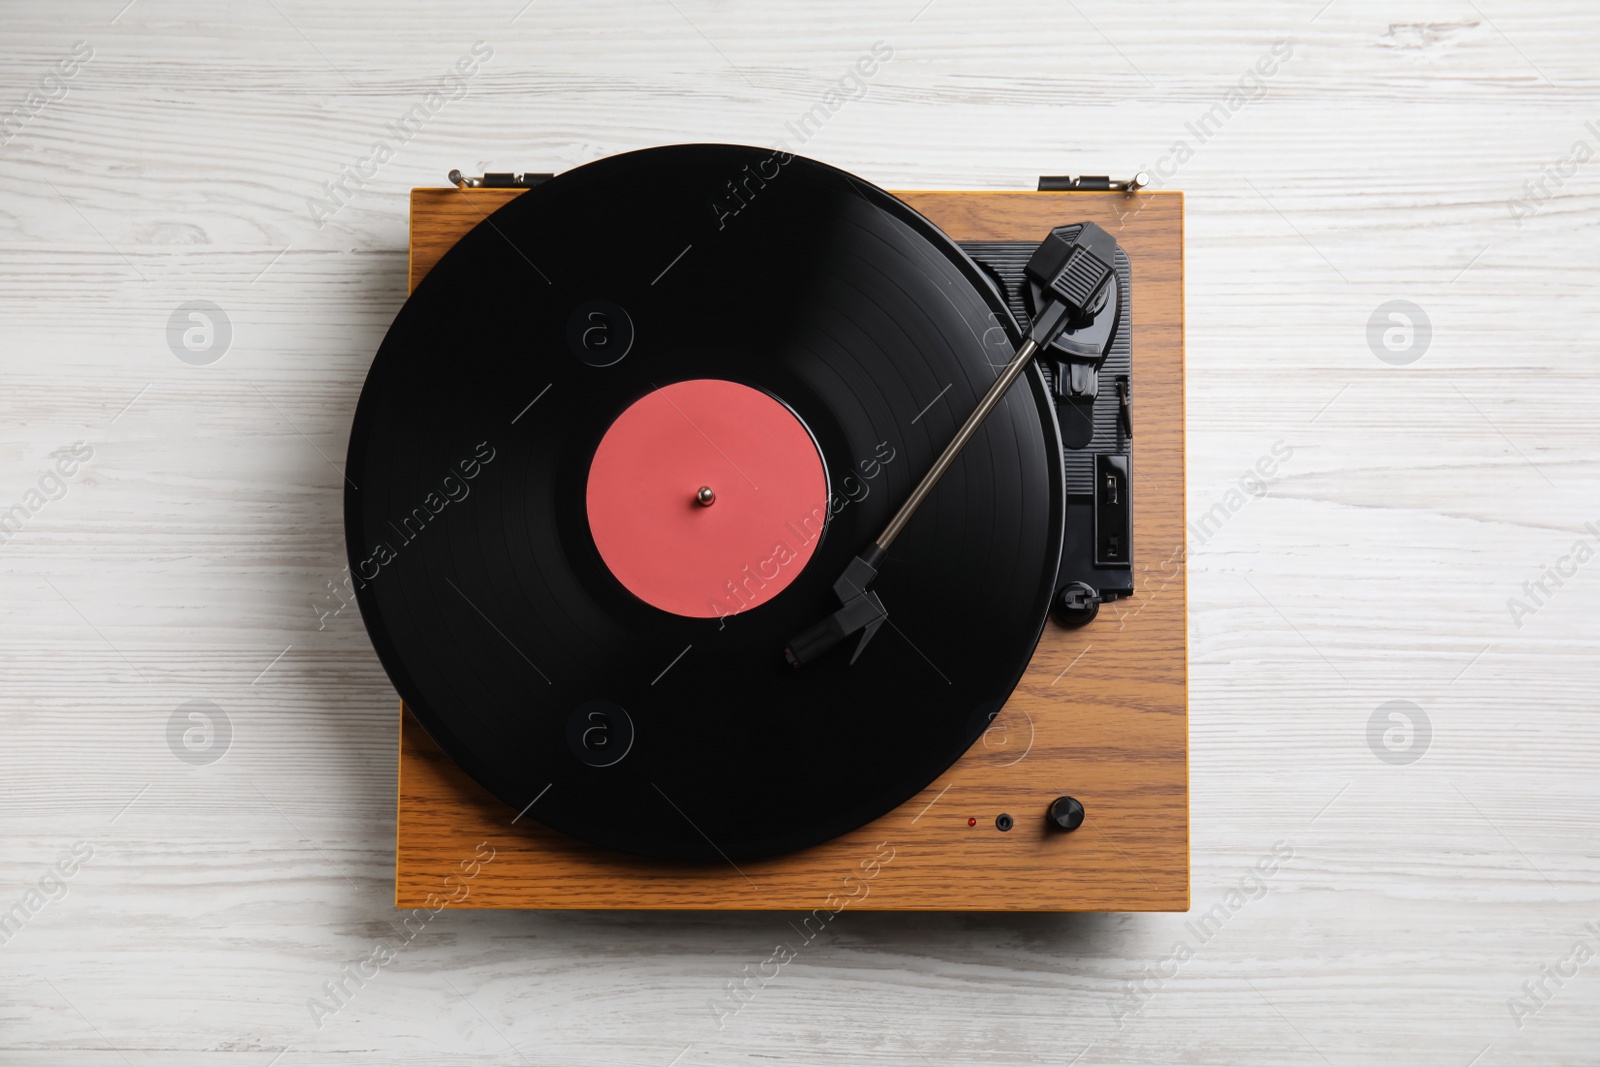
538	564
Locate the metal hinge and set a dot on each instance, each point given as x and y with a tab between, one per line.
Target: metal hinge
498	181
1062	183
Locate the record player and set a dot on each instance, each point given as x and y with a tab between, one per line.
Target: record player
740	535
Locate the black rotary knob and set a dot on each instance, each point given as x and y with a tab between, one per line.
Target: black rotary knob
1066	814
1076	604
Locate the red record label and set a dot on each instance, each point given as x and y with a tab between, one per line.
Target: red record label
707	498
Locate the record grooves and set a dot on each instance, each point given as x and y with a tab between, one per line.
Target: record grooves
495	612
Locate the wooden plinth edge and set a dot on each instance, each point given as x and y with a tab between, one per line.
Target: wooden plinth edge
1102	712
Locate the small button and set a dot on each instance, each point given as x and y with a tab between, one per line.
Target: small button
1004	822
1066	814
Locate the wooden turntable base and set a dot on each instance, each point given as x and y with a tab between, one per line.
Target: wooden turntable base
1101	714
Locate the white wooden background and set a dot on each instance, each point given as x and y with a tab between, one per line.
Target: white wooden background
185	557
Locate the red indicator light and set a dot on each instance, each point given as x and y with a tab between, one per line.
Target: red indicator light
972	822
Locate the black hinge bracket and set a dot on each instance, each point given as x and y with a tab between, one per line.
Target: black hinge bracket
498	181
1099	183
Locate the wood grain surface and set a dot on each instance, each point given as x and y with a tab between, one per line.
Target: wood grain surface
1101	713
1419	150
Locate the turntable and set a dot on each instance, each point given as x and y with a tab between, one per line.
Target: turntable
736	538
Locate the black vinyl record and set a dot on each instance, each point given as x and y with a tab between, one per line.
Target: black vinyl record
478	575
